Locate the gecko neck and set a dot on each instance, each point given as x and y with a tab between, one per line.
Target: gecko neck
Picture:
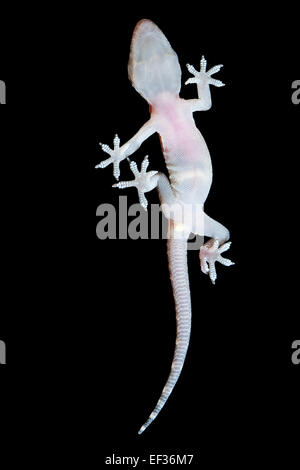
163	101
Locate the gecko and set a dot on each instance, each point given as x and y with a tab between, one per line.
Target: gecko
155	73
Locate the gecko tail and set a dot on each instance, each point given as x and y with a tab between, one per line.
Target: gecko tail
177	254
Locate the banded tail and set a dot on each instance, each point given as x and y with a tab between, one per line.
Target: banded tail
177	254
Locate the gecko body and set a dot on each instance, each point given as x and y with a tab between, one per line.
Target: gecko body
155	73
182	144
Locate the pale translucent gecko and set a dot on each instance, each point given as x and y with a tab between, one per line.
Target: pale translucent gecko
155	73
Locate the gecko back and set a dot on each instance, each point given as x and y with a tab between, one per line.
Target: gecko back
153	65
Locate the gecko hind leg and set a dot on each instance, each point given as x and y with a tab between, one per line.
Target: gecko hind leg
211	251
144	181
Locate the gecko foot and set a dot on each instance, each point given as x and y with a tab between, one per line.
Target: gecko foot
204	76
144	181
209	254
116	156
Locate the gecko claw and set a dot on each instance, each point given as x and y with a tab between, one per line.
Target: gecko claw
144	181
209	254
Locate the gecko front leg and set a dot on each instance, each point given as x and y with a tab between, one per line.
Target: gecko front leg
118	154
203	79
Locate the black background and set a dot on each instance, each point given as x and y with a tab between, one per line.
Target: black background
90	324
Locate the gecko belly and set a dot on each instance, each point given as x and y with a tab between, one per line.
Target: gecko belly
190	171
185	151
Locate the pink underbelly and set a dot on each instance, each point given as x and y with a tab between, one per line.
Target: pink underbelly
189	165
185	148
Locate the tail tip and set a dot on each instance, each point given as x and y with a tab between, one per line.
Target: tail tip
142	429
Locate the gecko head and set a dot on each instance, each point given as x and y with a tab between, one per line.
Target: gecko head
153	66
